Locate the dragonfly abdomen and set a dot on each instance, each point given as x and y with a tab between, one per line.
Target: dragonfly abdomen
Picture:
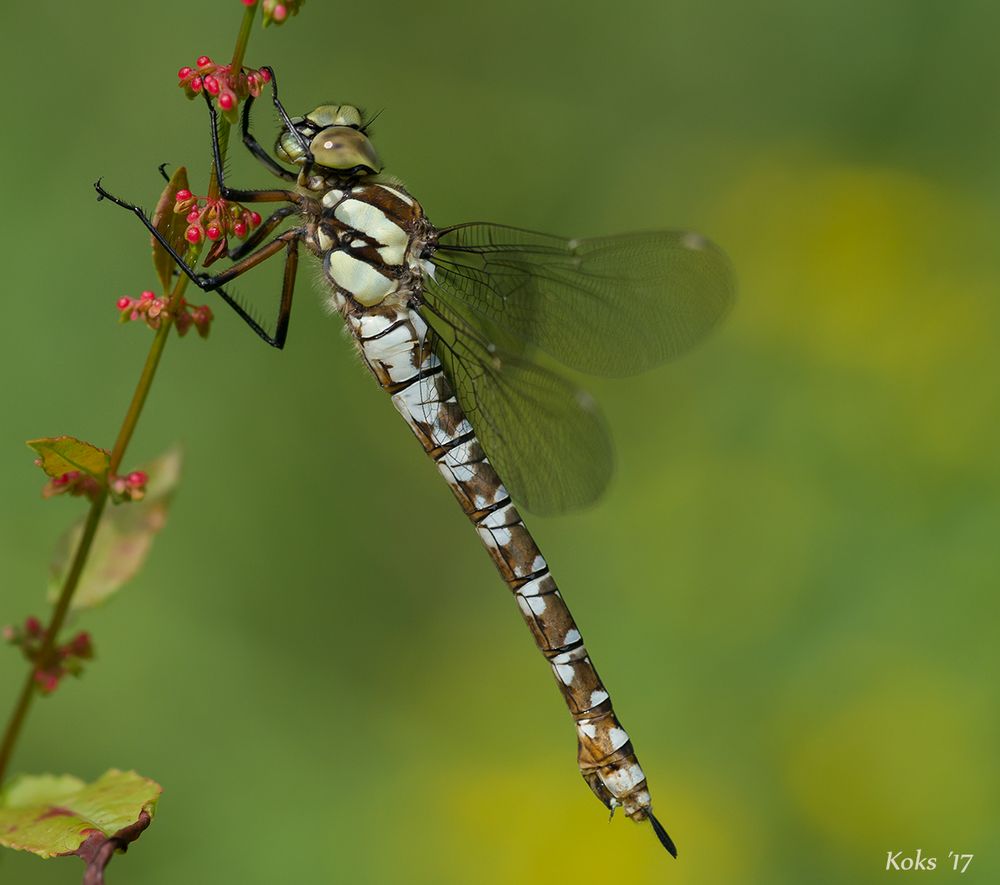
394	346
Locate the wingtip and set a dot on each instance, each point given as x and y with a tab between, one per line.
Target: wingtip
663	836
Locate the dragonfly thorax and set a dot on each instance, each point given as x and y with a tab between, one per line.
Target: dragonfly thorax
371	238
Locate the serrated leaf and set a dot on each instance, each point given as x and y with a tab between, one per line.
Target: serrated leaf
123	541
64	454
170	224
58	816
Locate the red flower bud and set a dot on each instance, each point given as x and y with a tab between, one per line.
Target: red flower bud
213	232
183	73
193	234
196	84
81	645
48	682
33	627
183	195
227	101
254	218
124	302
137	478
212	85
203	61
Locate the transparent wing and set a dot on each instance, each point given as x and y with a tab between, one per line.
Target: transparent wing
610	305
545	437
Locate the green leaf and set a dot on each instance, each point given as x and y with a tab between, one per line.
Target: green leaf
171	225
123	541
58	816
63	454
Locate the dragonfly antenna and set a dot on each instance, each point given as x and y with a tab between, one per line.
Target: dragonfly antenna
378	113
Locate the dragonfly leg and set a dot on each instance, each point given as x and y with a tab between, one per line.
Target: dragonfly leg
280	108
258	152
288	241
275	195
262	232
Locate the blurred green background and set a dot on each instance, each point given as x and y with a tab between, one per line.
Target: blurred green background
791	586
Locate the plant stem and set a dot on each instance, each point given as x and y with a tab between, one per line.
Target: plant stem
83	548
142	388
90	526
59	615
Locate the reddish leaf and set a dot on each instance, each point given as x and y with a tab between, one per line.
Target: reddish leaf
171	224
124	537
62	816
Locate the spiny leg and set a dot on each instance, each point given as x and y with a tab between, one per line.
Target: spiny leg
262	232
287	291
258	152
288	240
291	240
276	340
289	125
243	196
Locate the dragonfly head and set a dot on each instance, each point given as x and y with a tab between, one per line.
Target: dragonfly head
336	140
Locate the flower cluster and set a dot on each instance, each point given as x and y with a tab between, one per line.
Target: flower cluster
277	11
227	87
65	659
128	487
131	487
214	218
150	309
75	483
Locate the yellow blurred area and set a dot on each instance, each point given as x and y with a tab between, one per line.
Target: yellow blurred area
900	758
874	271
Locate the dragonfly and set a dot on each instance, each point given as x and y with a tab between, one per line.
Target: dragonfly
469	329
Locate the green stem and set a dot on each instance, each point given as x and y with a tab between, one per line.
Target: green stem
142	388
90	526
93	520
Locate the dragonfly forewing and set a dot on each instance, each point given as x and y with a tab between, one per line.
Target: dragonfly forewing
609	305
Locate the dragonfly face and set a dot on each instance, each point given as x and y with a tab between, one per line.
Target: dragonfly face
334	137
461	325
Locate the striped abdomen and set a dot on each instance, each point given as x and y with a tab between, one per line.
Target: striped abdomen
392	344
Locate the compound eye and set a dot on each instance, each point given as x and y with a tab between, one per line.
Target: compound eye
336	115
288	148
343	147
